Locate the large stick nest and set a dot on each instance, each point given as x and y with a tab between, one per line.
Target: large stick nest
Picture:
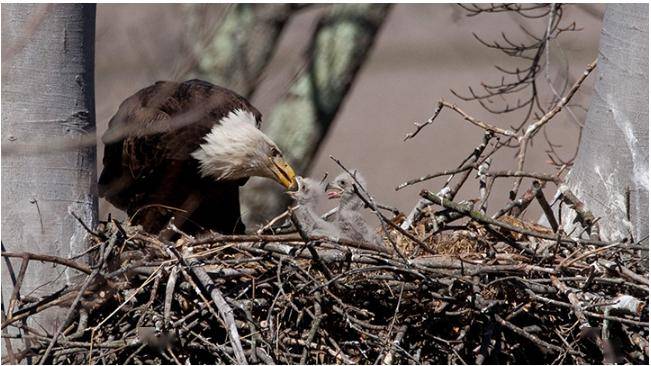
454	286
267	299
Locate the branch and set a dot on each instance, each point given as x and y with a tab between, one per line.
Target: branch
442	103
477	216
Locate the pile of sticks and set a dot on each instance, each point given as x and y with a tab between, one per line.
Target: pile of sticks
451	284
492	291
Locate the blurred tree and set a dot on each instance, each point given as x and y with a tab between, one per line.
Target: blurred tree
298	124
236	53
611	171
47	91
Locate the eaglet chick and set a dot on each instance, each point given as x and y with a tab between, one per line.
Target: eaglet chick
349	218
307	198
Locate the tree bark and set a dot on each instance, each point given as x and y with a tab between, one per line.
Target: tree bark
611	173
299	123
47	91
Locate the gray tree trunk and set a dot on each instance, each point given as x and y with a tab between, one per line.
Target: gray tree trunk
611	173
47	91
299	123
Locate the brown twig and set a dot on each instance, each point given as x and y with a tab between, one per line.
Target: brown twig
487	220
51	259
533	129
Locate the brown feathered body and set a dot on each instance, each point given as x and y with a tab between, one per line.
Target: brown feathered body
148	168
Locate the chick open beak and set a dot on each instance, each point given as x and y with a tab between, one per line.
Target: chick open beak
283	172
333	191
296	189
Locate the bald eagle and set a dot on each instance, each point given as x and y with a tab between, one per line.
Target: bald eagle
183	150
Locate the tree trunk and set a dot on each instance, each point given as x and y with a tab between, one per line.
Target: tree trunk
299	123
236	54
47	91
611	173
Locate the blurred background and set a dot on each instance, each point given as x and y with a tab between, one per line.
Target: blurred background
419	53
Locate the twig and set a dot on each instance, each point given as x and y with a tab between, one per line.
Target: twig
520	204
549	214
483	188
544	345
574	300
487	220
585	217
50	258
169	294
314	327
370	202
420	126
476	122
225	311
70	312
433	175
15	294
531	131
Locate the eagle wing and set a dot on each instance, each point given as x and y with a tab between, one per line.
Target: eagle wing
150	138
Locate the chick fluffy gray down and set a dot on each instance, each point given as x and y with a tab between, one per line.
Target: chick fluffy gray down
307	198
349	218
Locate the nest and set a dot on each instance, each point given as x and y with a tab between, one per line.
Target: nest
493	289
270	299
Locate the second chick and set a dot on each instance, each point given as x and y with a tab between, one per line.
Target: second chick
349	218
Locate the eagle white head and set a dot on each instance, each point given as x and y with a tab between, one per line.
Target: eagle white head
235	148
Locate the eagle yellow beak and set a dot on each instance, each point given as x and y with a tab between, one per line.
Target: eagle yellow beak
283	172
